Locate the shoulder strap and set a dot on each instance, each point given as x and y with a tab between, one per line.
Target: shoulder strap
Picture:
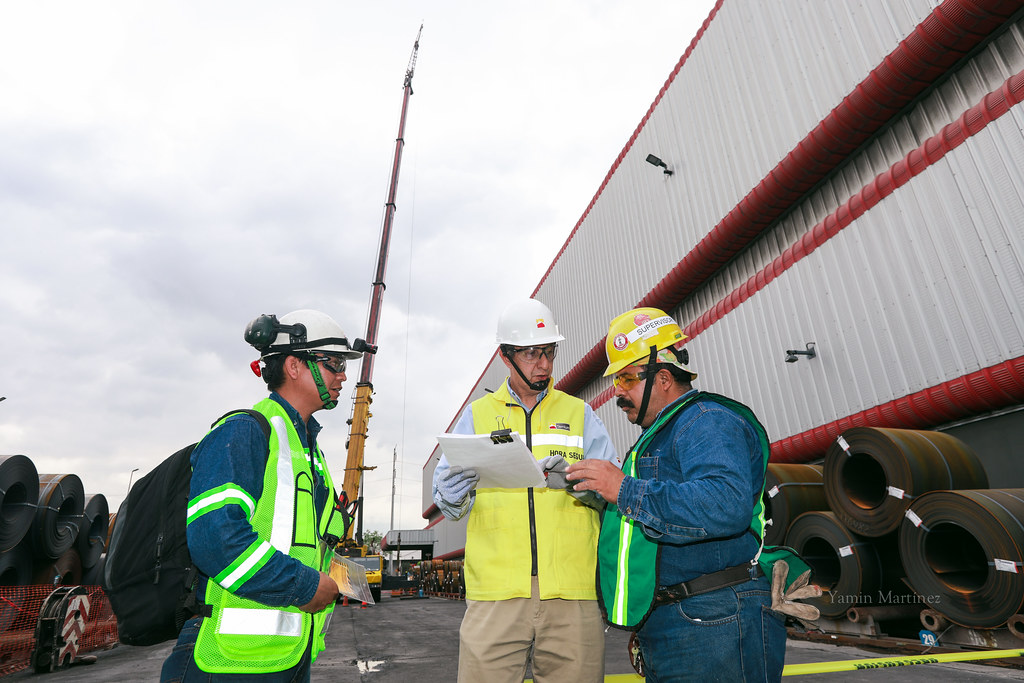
255	414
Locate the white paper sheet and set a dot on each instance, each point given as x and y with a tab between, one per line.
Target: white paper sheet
508	465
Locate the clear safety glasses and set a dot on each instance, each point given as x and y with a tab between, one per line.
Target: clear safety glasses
532	354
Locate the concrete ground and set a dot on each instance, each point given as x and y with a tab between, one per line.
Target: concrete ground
402	640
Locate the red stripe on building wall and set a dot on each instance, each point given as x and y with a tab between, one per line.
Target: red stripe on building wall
975	119
989	389
952	30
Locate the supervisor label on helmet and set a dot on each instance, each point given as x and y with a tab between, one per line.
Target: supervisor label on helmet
648	329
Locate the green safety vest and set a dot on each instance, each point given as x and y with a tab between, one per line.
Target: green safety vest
245	636
509	528
627	559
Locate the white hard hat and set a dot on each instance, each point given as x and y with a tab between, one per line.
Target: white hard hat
527	323
303	330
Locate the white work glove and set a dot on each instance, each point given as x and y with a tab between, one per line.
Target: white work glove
554	467
456	483
783	600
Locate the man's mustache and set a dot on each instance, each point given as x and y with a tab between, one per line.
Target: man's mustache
624	402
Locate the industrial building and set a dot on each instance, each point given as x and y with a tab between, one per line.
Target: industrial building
829	199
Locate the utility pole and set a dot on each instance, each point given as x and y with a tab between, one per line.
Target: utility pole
394	473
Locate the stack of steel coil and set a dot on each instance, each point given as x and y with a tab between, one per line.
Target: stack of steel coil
911	529
50	531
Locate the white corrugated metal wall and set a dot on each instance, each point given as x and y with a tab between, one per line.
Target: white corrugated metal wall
923	288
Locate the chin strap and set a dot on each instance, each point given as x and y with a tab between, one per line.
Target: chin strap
325	395
535	386
650	369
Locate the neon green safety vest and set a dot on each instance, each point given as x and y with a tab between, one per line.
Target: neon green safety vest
244	636
513	533
627	559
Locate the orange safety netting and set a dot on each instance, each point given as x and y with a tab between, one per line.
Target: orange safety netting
19	613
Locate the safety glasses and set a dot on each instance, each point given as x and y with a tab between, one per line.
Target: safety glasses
533	353
628	380
333	364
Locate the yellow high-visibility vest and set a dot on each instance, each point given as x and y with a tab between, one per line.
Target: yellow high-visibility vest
512	533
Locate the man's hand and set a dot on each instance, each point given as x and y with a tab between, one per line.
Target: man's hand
596	475
326	593
457	483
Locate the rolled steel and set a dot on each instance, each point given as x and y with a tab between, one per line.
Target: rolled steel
19	491
15	570
790	491
92	538
933	621
872	474
66	570
852	570
59	515
93	576
964	554
1015	625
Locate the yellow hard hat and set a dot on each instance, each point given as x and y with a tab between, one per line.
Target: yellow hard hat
632	334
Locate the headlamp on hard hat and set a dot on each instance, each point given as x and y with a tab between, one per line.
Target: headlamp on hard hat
305	330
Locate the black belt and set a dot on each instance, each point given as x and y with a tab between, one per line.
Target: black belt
723	578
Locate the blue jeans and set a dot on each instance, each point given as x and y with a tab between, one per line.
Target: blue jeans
729	634
180	666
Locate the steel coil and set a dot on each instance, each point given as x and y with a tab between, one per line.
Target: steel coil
92	538
93	576
871	474
15	570
851	569
19	491
1015	625
66	570
963	551
790	491
59	515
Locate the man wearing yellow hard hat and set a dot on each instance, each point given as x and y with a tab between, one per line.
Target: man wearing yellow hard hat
680	538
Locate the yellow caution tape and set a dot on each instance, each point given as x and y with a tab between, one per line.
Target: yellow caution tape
890	662
860	664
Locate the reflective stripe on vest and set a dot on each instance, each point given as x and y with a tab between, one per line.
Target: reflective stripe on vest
244	636
627	559
260	622
214	499
499	554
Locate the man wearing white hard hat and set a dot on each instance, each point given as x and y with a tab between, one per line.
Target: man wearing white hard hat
263	513
530	553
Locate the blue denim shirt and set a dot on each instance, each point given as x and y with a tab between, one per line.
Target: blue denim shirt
697	486
236	452
596	444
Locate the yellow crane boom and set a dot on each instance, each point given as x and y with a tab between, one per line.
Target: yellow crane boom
360	420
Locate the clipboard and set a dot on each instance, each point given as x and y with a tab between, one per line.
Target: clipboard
504	464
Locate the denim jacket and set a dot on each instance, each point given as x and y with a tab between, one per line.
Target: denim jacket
697	486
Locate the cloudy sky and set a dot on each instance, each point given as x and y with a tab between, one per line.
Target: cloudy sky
170	170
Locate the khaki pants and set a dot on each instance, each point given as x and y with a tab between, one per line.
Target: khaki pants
567	639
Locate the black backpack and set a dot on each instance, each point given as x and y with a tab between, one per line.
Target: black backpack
149	577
